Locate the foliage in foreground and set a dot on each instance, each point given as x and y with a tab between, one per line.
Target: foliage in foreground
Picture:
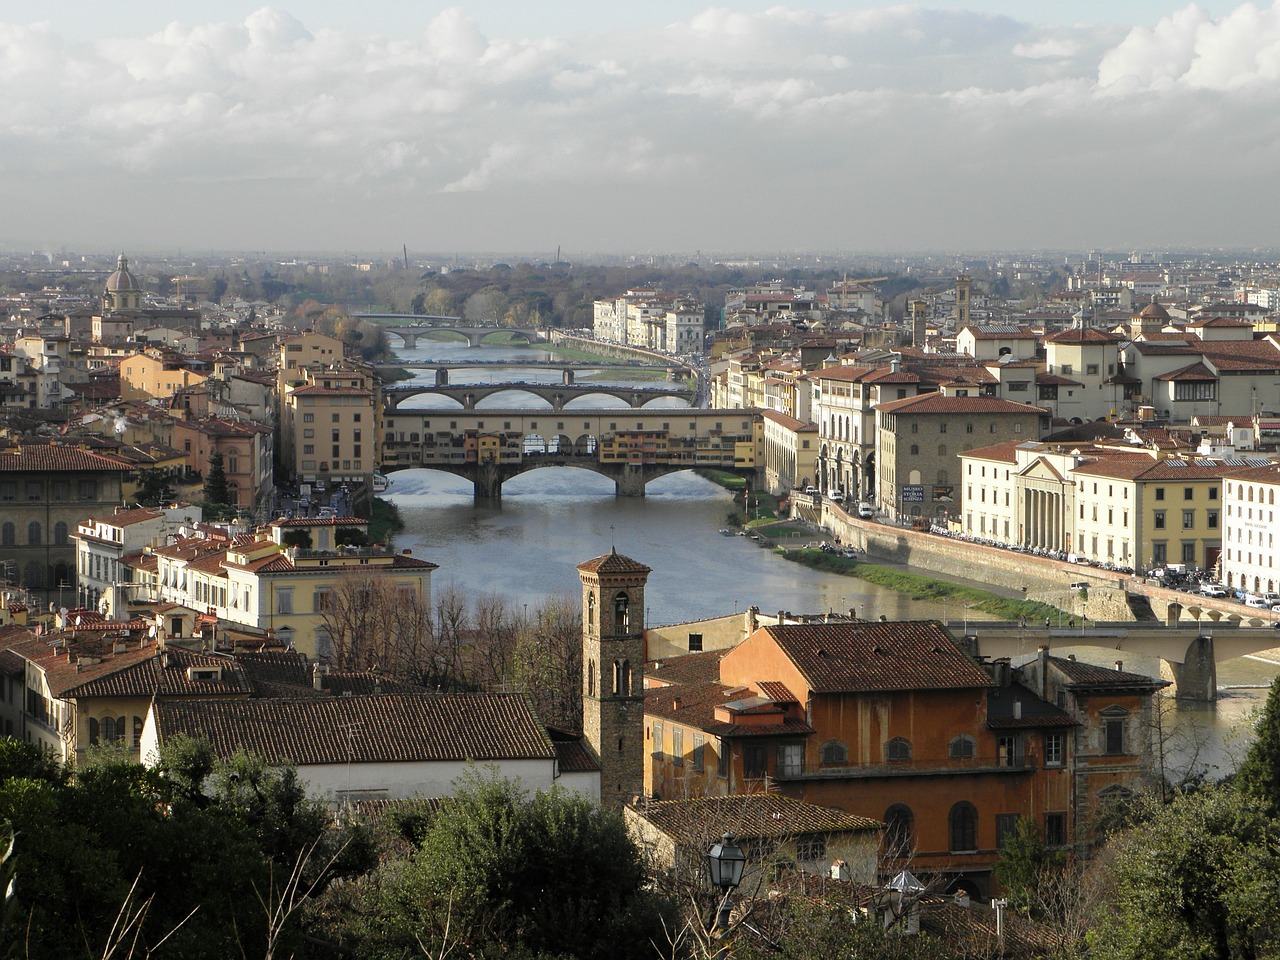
550	874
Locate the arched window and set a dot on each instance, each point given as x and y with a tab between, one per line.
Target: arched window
833	751
33	533
899	830
94	734
591	610
60	534
625	687
591	678
35	575
961	747
9	535
963	821
621	613
617	676
897	750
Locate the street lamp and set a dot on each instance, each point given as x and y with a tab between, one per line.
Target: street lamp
725	861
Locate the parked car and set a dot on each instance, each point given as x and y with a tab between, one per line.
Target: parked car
1213	590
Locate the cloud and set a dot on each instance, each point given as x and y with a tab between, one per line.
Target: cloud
910	102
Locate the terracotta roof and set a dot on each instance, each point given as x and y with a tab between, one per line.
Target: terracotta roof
868	657
701	667
1194	372
754	816
1083	335
320	522
393	728
937	403
613	563
1003	452
57	459
1080	674
151	677
790	422
1056	379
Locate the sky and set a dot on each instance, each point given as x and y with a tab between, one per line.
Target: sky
667	126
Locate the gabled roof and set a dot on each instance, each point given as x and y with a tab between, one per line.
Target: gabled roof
52	458
1083	675
1016	707
869	657
937	403
393	727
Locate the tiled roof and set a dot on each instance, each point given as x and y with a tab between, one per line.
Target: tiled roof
392	728
57	459
701	667
126	518
320	522
937	403
1003	452
1196	371
750	817
868	657
165	674
1031	711
1083	674
790	422
613	563
1083	335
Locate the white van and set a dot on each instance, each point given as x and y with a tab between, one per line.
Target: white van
866	511
1260	603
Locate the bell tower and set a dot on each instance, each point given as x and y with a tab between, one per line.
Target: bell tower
613	673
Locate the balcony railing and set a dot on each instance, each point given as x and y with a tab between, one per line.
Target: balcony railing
915	767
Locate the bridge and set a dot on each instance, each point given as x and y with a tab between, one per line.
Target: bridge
632	447
469	394
1188	652
423	325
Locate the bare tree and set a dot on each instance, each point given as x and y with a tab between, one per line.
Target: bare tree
548	661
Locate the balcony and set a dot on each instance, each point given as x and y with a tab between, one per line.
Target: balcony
916	767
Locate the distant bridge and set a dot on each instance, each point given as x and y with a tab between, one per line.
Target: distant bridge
1189	651
474	334
469	394
631	447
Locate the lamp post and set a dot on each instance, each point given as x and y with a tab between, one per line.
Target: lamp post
725	861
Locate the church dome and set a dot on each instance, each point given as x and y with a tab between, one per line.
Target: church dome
1154	311
122	281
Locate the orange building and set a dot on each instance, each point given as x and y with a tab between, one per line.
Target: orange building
893	721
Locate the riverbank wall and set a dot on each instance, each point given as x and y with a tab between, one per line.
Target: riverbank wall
1103	596
618	351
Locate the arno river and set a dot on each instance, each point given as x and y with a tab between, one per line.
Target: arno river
554	518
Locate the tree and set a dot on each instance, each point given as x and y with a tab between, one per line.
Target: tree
154	489
497	869
216	491
1025	867
1198	878
1259	774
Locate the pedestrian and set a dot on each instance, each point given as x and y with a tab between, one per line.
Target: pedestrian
1046	623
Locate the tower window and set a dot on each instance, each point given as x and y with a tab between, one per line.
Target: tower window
621	613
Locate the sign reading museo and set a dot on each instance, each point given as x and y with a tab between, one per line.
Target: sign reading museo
913	494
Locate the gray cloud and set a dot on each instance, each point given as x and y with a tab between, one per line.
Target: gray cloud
901	127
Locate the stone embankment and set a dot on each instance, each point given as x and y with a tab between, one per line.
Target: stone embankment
1106	595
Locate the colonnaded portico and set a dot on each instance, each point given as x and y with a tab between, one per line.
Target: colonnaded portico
488	447
1042	521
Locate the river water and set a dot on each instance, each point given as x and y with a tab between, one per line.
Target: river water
554	518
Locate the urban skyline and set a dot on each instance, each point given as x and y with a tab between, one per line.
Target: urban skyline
312	127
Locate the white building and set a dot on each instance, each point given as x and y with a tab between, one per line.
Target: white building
1249	559
103	542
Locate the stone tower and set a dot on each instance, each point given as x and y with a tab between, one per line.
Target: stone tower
962	302
613	673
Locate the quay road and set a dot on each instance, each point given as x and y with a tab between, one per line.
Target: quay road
523	364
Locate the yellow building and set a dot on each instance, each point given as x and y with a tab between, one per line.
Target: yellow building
329	424
157	374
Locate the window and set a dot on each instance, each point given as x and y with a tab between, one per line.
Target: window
915	449
1188	493
1113	730
1006	827
323	600
621	613
284	600
1212	519
963	823
656	749
722	758
1196	390
35	490
811	849
1053	749
699	752
335	417
897	750
1188	519
1091	369
1159	493
942	427
88	489
677	746
1159	520
1009	751
695	642
899	826
308	418
754	761
790	759
833	751
961	747
8	535
33	533
1055	829
1159	552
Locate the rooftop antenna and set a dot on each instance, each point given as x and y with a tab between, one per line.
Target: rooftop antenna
613	541
351	728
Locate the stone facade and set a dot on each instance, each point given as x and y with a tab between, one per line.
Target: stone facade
612	674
